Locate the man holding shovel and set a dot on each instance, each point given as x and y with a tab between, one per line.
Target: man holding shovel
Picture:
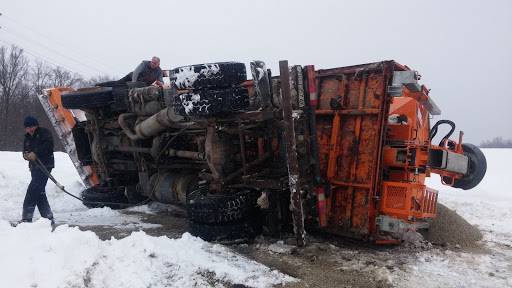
38	150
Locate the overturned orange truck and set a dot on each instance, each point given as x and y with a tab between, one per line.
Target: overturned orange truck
343	150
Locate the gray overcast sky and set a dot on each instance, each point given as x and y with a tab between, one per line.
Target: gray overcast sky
463	49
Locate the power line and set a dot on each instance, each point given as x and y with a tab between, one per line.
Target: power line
43	58
43	36
54	51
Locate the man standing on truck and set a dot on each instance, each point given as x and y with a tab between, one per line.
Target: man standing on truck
148	72
38	150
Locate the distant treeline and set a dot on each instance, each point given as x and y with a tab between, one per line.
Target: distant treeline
497	142
20	83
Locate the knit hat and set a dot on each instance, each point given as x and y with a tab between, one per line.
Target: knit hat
30	122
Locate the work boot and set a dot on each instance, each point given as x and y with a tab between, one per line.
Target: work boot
14	224
53	224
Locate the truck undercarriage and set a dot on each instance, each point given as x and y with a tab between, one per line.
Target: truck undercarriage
343	150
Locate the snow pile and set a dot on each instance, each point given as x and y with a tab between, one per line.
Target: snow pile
33	256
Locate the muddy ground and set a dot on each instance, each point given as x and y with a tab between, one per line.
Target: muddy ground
326	261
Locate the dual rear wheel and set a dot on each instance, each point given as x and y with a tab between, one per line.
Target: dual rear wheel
224	218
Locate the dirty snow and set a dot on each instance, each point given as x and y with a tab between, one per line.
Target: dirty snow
33	256
280	248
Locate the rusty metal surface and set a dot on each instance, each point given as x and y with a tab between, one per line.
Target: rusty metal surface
217	153
172	188
356	69
291	153
350	124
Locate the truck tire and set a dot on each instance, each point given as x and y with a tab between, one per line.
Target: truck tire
231	232
477	167
88	98
95	197
133	195
204	103
221	74
220	209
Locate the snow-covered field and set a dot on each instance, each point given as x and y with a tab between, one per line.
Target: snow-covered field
32	256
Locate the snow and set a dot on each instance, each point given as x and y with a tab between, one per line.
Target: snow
33	256
280	248
189	105
186	77
489	206
454	269
14	180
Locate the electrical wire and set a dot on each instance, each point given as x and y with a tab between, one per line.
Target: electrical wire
43	58
53	40
53	51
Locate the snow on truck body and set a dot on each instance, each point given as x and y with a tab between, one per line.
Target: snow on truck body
346	150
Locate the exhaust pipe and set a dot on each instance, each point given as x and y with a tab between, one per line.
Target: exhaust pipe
154	125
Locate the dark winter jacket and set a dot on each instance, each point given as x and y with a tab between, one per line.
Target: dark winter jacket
40	143
144	73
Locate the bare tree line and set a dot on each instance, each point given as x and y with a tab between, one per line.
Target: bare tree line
20	83
497	142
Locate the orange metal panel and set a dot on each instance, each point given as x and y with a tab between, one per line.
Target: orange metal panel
56	102
408	201
350	127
